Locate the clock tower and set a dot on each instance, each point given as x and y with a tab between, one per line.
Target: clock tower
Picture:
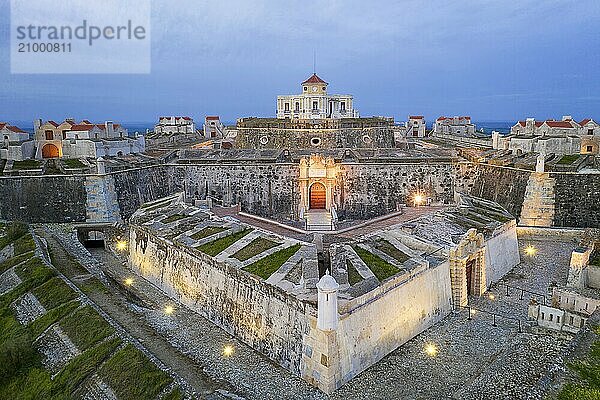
314	85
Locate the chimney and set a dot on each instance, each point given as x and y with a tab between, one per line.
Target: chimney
108	125
567	118
37	123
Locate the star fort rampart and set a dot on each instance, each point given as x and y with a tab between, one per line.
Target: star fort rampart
327	241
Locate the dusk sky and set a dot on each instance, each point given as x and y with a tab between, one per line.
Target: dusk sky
493	60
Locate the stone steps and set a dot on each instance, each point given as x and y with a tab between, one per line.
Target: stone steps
538	205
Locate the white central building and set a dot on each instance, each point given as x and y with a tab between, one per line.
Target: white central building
315	103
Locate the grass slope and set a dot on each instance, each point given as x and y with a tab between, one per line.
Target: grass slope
265	267
380	268
216	246
132	376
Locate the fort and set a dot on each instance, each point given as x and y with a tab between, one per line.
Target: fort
323	242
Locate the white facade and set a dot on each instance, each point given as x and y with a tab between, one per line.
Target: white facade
15	143
454	126
85	139
415	126
172	125
565	127
213	127
315	103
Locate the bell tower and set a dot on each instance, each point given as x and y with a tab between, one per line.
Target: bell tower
314	85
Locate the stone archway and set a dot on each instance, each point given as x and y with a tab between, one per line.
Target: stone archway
317	197
467	268
322	170
50	151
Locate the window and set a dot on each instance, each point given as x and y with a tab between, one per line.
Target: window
315	106
590	131
324	360
581	321
571	320
305	88
315	141
287	107
49	135
589	149
343	106
297	107
542	316
558	319
586	306
551	317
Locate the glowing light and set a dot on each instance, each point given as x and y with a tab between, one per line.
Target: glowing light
492	296
431	349
129	281
530	251
121	245
228	350
169	310
419	198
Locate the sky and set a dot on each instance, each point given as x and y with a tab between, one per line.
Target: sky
492	60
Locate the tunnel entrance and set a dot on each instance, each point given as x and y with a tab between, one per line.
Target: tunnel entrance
92	239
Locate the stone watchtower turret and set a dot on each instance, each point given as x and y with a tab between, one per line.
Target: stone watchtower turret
327	319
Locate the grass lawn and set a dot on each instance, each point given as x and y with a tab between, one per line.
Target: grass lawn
208	231
11	262
390	250
265	267
587	384
133	376
85	327
255	247
13	231
73	163
24	244
53	293
353	276
173	218
216	246
380	268
27	164
568	159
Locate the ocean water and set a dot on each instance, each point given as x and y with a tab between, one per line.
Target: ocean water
141	127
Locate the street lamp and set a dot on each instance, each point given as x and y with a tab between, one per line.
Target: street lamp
431	349
128	281
169	310
418	199
530	251
121	245
228	350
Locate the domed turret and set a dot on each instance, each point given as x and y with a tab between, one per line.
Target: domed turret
327	318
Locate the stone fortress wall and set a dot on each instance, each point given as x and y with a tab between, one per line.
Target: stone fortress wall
263	316
269	188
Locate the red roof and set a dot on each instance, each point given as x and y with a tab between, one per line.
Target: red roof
14	129
53	123
314	79
416	117
559	124
212	117
86	122
2	125
585	121
82	127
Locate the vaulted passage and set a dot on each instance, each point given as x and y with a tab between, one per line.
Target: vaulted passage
317	196
49	151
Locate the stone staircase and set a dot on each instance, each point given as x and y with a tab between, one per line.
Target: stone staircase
319	220
538	204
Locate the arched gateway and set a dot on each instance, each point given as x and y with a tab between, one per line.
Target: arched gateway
50	151
317	196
